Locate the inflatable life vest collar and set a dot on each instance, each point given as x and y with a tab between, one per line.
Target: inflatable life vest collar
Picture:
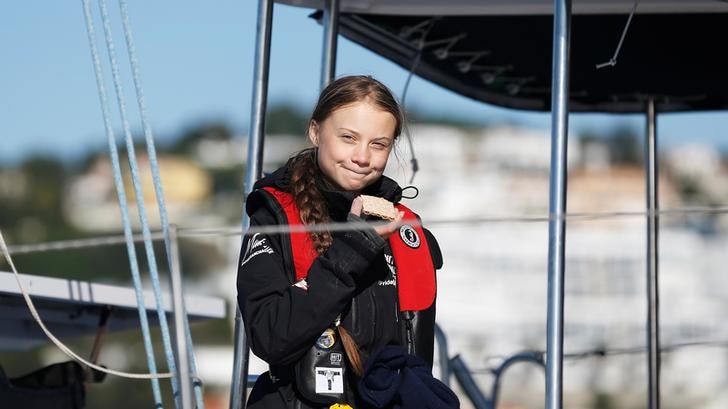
416	285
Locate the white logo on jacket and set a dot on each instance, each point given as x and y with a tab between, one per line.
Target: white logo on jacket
392	277
256	246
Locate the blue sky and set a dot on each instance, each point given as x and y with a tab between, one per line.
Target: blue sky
196	61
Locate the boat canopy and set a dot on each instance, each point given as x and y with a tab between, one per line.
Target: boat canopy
510	7
499	51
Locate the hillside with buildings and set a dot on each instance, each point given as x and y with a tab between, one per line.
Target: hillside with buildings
484	193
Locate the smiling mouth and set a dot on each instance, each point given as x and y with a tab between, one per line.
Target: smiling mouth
357	173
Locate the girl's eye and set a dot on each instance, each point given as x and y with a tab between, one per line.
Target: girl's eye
347	137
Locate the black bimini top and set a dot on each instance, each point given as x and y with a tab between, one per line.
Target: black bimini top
499	52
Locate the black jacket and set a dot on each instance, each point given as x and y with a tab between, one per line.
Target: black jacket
354	277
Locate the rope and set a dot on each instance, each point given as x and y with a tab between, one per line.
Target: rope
59	344
121	195
139	196
157	180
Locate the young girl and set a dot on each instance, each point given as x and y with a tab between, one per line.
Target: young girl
318	305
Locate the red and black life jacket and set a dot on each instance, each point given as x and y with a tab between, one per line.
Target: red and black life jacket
416	285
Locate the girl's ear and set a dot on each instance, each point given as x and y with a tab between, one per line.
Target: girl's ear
313	132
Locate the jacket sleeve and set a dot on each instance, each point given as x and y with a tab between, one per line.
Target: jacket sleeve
282	321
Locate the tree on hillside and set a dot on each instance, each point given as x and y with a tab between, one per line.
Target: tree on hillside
285	119
189	138
45	178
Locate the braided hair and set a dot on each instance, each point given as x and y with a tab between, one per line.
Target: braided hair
309	200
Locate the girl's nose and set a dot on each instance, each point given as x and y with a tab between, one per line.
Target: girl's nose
360	156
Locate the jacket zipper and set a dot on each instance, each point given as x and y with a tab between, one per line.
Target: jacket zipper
408	316
374	313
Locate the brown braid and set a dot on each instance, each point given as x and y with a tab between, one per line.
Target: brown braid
310	202
352	351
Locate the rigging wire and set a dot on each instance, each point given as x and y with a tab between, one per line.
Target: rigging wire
139	196
606	352
420	47
121	196
158	189
613	61
285	229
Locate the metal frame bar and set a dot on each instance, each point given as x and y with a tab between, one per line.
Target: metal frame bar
526	356
331	31
254	171
468	384
180	317
241	354
443	357
653	295
557	203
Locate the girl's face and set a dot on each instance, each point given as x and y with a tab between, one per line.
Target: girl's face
354	143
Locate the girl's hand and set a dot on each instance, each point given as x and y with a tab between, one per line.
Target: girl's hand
383	230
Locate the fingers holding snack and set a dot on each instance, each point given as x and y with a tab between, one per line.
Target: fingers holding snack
356	206
386	230
383	209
